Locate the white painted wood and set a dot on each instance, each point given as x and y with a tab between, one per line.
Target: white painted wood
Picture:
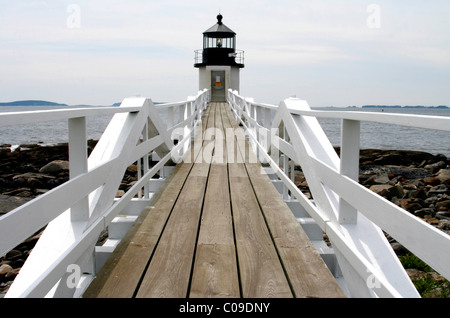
27	117
78	163
102	253
25	220
120	226
349	165
421	238
418	121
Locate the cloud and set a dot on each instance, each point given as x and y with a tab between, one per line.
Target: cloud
145	47
293	55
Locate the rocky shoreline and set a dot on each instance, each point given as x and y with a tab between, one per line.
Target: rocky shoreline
418	182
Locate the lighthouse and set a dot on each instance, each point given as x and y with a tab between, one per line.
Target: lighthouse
219	62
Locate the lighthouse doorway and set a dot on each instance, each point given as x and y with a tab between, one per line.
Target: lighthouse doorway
218	86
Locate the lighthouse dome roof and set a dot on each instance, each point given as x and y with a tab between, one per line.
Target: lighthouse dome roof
219	29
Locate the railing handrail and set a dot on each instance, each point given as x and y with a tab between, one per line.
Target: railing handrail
410	120
349	213
34	116
238	56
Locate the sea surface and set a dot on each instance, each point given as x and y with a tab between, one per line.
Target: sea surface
373	135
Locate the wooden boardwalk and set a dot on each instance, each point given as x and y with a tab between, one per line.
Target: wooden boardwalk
217	228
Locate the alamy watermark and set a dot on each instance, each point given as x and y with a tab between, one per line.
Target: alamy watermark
74	276
374	19
230	145
372	281
74	19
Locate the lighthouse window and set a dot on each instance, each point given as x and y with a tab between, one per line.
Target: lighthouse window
219	43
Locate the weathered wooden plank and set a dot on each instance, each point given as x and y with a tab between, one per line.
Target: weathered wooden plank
122	272
215	270
220	154
308	274
230	145
260	270
241	151
207	143
215	274
168	274
169	270
216	218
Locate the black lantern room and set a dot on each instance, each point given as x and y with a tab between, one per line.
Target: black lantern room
219	47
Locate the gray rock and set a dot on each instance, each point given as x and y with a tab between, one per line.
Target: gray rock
436	166
444	176
55	166
9	203
5	269
424	212
387	190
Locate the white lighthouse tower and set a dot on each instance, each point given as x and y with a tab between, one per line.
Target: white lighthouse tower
219	62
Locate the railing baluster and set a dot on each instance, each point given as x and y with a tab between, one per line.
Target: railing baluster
78	163
349	165
146	164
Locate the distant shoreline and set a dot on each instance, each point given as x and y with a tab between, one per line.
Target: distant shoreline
398	106
46	103
31	103
388	107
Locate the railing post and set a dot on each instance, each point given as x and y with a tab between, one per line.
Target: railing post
78	163
146	163
170	117
349	165
268	125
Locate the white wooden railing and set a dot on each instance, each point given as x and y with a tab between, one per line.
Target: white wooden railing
64	260
352	216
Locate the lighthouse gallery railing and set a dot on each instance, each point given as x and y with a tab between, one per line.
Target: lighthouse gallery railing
352	216
80	209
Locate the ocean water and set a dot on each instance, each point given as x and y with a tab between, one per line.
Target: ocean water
47	133
386	136
373	135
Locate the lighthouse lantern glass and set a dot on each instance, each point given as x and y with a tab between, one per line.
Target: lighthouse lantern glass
218	43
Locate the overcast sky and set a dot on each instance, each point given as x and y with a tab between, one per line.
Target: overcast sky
328	52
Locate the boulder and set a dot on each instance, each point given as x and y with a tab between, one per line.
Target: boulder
431	181
422	213
436	166
411	205
382	178
8	202
443	205
55	166
5	269
387	190
444	176
418	193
